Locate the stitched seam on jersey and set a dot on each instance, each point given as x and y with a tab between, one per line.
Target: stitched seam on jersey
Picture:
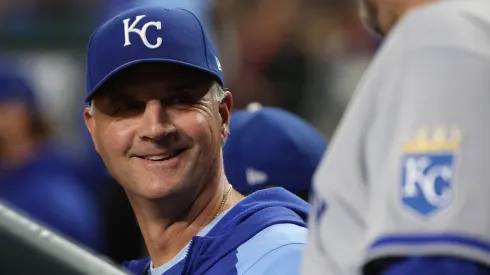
424	240
270	251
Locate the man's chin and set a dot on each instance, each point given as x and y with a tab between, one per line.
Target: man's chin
156	192
158	186
144	191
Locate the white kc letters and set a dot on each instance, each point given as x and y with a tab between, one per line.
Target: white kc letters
415	175
141	32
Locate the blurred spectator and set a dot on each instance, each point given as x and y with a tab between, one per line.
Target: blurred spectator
283	53
270	147
258	46
35	176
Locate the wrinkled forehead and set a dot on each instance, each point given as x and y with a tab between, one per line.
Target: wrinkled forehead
156	77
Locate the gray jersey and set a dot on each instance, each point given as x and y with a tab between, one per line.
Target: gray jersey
408	168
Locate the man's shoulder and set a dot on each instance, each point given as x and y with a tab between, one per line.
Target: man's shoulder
449	27
261	210
278	235
455	24
277	243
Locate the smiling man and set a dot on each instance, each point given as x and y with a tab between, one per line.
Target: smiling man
158	116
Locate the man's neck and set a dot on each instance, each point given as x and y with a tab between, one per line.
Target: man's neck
165	237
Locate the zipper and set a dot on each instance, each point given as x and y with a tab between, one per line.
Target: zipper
147	270
188	254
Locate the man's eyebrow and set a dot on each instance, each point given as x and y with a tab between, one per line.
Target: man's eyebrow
119	97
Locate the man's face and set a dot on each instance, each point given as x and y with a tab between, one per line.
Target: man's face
159	129
369	13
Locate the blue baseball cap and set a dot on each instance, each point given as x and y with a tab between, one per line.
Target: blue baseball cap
149	34
270	147
15	86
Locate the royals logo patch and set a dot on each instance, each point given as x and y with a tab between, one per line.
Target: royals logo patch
427	170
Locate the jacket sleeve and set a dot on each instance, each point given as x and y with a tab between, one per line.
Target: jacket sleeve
436	265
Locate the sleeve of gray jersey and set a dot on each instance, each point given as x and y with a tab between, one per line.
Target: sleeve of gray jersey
429	158
314	260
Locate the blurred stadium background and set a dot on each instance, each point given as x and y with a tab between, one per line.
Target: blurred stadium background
305	56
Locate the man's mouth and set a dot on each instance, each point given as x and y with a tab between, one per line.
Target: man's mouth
163	157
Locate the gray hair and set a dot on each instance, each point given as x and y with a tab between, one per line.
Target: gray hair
91	107
218	91
218	94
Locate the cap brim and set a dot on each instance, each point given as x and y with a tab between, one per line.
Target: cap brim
148	60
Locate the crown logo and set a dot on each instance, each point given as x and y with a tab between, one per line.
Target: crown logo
438	140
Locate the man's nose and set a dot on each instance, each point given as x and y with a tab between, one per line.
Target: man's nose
155	124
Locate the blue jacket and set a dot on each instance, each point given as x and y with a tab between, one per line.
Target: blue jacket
216	253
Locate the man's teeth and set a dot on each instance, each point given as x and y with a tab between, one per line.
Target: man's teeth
163	157
158	157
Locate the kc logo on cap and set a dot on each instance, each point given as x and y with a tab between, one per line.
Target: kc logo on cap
141	32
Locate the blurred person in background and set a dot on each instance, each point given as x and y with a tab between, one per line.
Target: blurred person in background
271	147
295	55
261	53
403	188
35	176
159	116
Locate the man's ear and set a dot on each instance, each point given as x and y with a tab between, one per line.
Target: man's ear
90	123
225	107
